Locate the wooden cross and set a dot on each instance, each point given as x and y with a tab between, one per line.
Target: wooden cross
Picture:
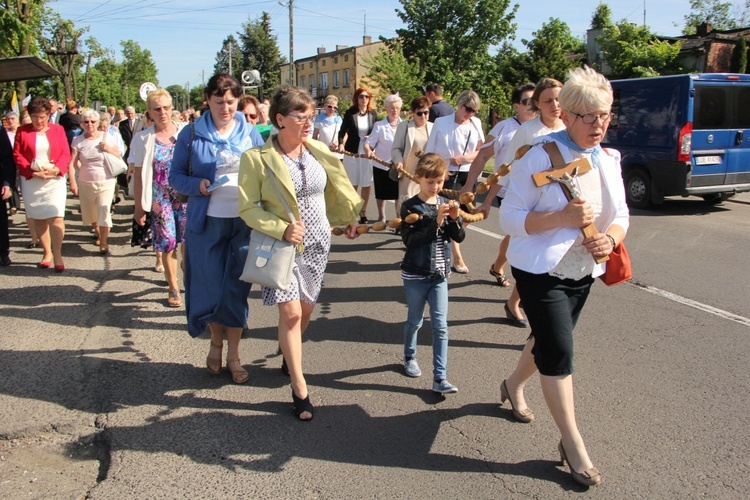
565	176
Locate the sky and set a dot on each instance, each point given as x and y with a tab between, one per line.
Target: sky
185	35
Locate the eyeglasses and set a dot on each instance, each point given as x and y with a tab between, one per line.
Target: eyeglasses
251	116
89	121
589	118
422	113
363	96
302	119
470	110
332	107
526	101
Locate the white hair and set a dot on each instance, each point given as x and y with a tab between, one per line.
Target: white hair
392	99
91	113
585	90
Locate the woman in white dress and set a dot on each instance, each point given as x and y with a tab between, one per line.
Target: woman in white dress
42	155
380	144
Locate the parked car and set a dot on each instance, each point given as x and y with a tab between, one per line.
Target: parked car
682	135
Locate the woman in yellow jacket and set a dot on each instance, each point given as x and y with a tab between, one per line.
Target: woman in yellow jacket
318	192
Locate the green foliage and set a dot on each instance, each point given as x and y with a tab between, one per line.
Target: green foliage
222	58
104	82
196	96
179	97
553	51
715	12
602	17
138	67
450	40
389	72
738	63
260	51
632	52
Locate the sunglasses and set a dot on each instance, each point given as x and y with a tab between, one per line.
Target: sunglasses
422	113
89	121
526	101
332	107
363	96
470	110
251	116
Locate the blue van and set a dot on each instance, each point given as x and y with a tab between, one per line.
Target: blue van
682	135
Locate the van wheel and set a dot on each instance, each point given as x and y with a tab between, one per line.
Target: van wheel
717	198
638	189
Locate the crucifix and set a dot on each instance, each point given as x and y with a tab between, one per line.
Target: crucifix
565	177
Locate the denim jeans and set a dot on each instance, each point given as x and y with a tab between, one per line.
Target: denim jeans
435	293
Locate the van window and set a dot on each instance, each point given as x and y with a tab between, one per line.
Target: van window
743	108
710	111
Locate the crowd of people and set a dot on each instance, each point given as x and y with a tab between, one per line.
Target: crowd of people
203	182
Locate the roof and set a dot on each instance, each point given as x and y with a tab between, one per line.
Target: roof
25	68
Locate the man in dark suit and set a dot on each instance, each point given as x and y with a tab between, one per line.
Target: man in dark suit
128	128
434	92
8	184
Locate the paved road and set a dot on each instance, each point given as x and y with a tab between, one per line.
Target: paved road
103	394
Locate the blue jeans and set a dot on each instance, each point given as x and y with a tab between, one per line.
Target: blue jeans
435	293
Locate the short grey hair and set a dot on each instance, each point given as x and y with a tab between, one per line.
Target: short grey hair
105	117
469	99
393	99
91	113
129	109
11	113
585	90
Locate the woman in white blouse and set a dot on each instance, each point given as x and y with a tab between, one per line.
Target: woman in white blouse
553	263
379	144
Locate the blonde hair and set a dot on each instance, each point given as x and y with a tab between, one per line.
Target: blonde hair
586	90
431	165
470	99
156	94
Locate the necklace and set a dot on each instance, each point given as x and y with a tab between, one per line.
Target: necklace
363	113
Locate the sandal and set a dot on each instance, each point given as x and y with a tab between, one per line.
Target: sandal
362	217
239	374
211	361
301	406
174	299
502	280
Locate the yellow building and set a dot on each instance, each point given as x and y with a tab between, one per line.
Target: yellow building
337	73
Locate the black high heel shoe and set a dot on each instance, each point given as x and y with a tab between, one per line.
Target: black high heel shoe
590	477
301	406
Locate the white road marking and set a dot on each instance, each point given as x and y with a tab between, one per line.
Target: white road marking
691	303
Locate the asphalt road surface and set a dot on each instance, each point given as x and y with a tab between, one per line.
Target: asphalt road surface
104	395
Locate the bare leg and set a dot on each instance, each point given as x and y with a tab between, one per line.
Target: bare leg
57	233
458	258
217	343
290	340
381	209
523	372
170	269
558	392
32	229
103	235
159	262
514	303
501	260
366	197
42	231
239	374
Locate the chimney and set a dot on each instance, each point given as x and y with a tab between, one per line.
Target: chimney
321	50
340	47
366	40
703	29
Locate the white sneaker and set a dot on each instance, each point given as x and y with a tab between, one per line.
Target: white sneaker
411	368
443	387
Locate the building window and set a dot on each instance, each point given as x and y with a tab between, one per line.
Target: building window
335	79
346	58
324	81
335	60
302	81
311	64
312	82
346	78
324	62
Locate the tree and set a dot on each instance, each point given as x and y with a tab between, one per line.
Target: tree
179	97
553	51
260	51
720	15
389	72
138	67
230	46
738	63
450	41
602	17
60	40
19	23
105	76
632	51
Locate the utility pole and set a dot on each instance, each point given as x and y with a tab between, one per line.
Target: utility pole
292	79
230	56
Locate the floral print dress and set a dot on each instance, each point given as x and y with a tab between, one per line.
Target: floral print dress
167	213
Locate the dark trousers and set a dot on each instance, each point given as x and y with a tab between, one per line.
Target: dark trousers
552	306
4	238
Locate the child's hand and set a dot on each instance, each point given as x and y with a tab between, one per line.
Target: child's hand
453	210
443	210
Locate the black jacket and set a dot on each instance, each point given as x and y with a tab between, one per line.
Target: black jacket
8	171
349	126
421	237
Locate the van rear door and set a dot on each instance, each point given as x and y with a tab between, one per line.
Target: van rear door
721	133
